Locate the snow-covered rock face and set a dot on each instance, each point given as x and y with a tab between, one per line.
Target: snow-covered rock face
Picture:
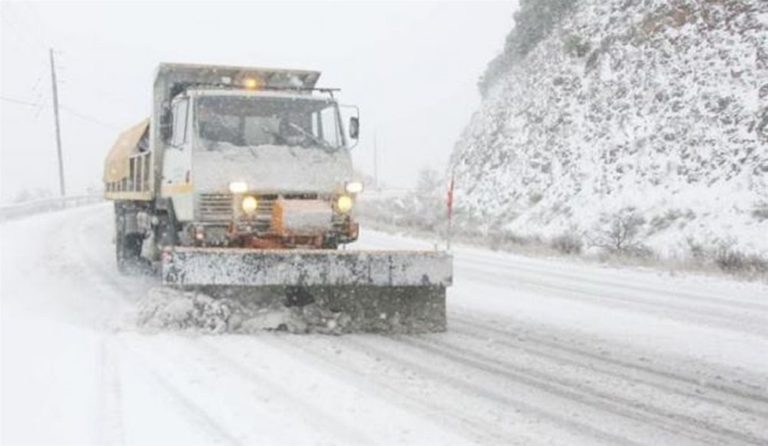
661	105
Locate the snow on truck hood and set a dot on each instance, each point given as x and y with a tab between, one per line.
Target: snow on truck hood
271	168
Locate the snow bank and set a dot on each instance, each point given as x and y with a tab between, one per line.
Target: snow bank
166	308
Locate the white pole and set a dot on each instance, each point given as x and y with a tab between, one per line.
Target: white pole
62	189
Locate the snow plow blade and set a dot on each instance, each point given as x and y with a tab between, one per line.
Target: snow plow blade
377	291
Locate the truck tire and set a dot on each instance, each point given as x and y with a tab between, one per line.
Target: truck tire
166	231
330	243
127	246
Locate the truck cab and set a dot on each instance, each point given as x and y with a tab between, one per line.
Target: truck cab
259	168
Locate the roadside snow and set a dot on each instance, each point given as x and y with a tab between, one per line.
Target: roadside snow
537	351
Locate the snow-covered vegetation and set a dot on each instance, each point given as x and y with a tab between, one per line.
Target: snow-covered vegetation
637	125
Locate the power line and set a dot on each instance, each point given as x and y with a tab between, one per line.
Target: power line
18	101
65	108
89	118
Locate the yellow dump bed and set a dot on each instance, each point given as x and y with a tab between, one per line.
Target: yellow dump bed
127	169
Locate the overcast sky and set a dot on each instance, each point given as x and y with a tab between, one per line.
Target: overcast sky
411	67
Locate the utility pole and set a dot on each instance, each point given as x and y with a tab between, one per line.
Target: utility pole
62	189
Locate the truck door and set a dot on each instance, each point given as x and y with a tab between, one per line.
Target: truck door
177	163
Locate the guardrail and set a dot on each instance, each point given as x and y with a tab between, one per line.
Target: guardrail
18	210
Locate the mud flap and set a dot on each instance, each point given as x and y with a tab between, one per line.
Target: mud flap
372	291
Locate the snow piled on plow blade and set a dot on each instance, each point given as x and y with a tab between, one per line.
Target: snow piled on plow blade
168	308
321	290
257	267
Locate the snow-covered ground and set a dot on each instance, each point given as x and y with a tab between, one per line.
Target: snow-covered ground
537	351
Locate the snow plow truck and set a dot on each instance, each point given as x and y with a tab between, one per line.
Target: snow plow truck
241	181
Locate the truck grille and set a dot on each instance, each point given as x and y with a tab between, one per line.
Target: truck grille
216	207
263	215
262	219
219	207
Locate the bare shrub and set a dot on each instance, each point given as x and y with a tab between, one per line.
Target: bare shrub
500	239
732	261
620	232
670	217
697	250
568	243
760	211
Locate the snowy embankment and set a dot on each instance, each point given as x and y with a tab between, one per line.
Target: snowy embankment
652	108
537	351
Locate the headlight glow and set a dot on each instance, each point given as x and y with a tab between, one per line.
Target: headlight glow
238	187
249	205
344	204
353	187
251	83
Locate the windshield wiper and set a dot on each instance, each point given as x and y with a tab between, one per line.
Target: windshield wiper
321	142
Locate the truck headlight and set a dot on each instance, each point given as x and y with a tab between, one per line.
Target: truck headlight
353	187
238	187
344	204
249	205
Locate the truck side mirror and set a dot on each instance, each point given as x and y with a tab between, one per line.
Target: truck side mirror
354	127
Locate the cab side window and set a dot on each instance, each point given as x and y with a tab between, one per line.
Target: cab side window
179	123
329	126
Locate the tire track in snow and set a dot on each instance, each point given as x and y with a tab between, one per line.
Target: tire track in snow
110	427
740	399
655	293
743	324
672	422
190	410
110	411
428	369
103	279
320	420
461	423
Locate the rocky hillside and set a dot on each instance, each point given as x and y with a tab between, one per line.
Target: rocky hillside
654	109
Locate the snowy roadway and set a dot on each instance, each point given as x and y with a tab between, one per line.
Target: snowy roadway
538	351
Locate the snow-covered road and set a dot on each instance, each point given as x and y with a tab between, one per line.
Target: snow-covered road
537	351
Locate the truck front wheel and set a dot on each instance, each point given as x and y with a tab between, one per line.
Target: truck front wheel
127	246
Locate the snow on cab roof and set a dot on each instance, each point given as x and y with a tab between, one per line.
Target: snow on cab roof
288	93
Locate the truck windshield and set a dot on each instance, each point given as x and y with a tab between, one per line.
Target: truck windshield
256	121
